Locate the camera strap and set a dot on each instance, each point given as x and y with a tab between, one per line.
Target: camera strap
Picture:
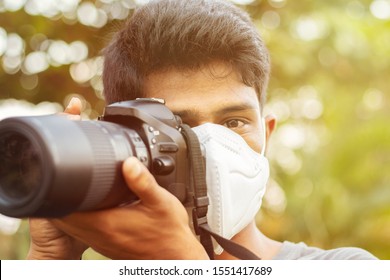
201	202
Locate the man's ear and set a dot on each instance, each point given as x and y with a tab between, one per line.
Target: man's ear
270	124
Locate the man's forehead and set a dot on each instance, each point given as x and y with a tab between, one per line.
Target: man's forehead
198	91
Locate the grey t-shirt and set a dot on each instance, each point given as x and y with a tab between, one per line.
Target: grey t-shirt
300	251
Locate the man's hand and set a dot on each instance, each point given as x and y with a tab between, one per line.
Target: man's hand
47	241
50	243
155	227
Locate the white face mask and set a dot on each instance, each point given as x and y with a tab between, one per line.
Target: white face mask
236	179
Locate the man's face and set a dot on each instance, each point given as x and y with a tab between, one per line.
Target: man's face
214	94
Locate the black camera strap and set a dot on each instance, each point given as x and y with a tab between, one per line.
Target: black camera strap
201	202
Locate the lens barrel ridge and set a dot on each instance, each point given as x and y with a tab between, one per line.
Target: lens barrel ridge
111	145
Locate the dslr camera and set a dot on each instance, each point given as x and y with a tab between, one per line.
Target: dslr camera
51	166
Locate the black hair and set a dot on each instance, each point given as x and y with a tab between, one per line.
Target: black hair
183	35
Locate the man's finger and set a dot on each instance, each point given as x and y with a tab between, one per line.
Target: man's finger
74	107
142	182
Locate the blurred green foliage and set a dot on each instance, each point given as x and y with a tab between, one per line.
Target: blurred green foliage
330	154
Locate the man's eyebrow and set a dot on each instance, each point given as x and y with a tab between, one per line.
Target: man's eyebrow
237	108
186	113
221	111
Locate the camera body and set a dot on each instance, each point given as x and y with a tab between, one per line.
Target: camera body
51	166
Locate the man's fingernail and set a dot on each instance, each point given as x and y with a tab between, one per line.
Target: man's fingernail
71	102
133	167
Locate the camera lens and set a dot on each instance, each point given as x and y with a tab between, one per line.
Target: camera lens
51	166
20	166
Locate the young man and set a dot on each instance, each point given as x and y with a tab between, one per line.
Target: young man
207	61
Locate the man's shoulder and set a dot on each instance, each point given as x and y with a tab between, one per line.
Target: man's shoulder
300	251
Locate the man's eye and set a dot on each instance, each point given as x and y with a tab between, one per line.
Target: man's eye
234	124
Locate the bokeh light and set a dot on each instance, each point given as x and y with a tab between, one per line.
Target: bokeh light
36	62
310	28
242	2
380	9
270	19
15	45
3	41
13	5
13	108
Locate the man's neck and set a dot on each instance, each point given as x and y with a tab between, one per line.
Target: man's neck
255	241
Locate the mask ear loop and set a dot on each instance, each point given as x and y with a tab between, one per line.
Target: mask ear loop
264	136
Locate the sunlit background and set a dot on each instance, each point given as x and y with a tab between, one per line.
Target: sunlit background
330	154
